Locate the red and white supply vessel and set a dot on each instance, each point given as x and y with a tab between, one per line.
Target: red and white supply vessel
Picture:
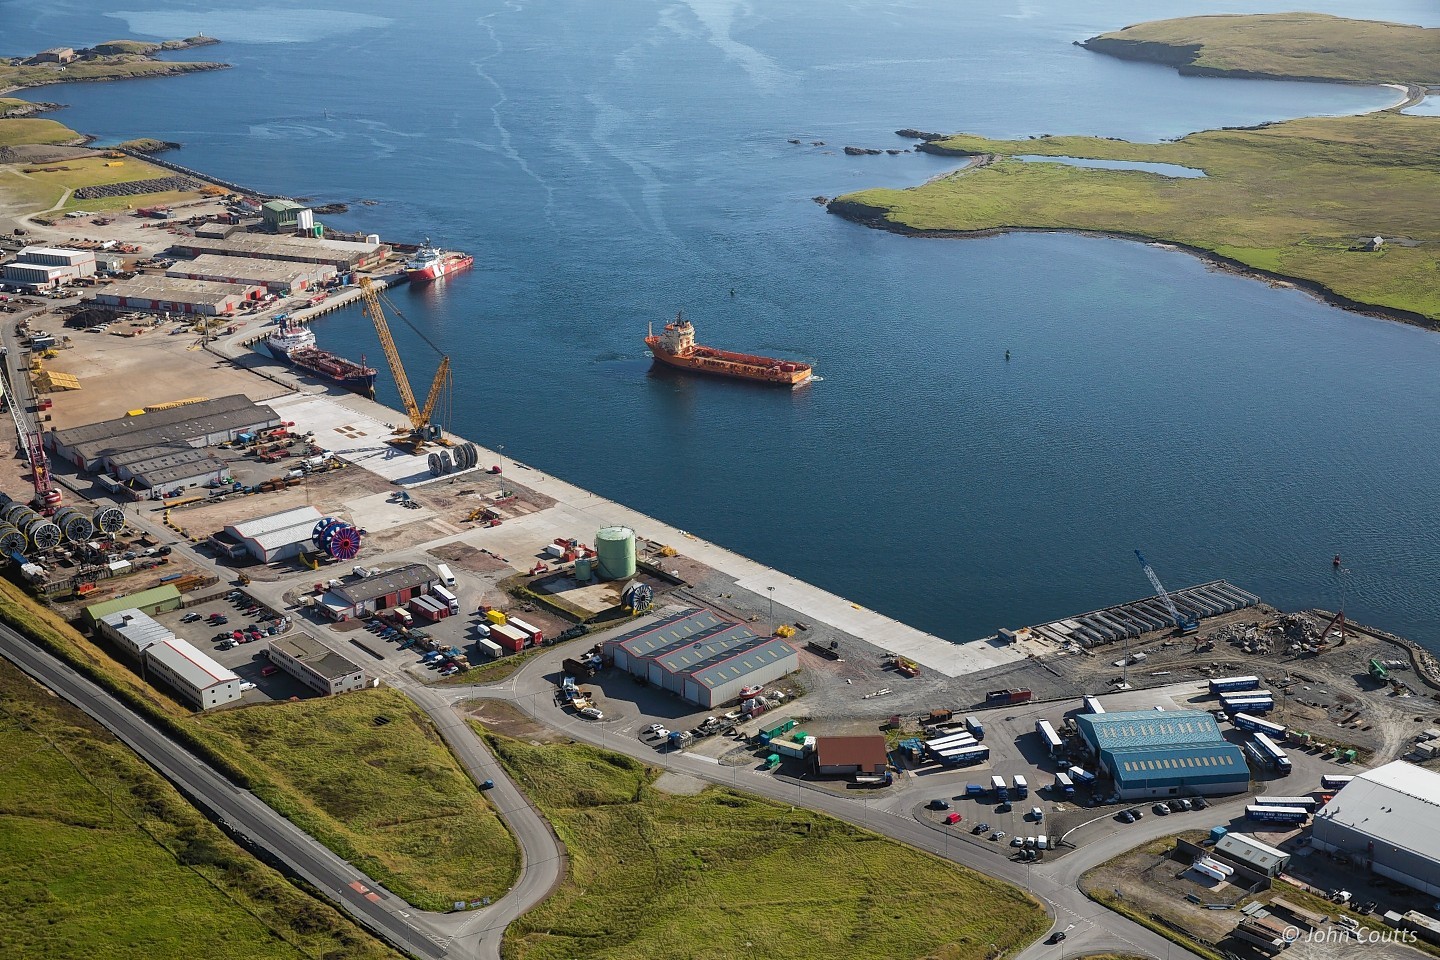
432	263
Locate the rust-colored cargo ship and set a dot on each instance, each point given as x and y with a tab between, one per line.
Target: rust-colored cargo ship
677	348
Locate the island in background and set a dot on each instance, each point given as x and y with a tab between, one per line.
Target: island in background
1302	201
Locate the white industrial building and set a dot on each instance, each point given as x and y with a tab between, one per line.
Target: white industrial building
194	675
316	665
279	536
277	276
177	295
132	631
701	656
45	268
1249	852
1387	820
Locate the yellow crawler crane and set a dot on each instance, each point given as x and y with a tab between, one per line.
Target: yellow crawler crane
422	430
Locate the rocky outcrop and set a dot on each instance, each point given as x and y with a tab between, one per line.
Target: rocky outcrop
910	133
862	152
149	145
28	109
1147	51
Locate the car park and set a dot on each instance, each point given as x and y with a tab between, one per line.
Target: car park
938	804
1124	816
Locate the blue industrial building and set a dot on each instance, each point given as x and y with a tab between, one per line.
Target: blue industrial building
1153	753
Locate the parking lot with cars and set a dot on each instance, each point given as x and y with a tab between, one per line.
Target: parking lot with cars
233	629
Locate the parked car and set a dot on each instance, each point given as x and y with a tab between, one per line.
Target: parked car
1199	803
1017	841
227	644
953	819
980	828
1002	807
938	804
1056	937
190	617
1124	817
1161	810
998	835
1136	812
247	685
269	670
653	728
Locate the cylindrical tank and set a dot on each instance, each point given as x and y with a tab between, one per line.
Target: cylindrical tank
582	569
75	525
615	553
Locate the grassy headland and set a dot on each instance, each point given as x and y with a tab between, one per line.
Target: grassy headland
1299	46
723	874
104	858
1294	200
368	775
115	60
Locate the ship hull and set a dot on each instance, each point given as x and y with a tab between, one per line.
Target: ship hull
339	371
444	267
736	366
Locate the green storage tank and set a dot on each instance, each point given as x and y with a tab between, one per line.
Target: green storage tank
615	553
582	569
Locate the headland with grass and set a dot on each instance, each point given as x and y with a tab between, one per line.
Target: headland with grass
1298	202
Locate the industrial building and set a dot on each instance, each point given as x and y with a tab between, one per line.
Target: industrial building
279	536
45	268
192	674
93	447
1249	852
379	591
284	216
1387	820
176	295
316	665
132	631
149	602
846	756
1153	753
344	255
161	470
701	656
277	276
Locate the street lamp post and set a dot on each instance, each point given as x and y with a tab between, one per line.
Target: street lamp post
772	607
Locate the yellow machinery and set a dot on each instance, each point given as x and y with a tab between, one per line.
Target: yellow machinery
422	431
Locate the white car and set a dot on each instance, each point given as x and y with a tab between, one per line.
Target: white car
1017	841
653	728
247	685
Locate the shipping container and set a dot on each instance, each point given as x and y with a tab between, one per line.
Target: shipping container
529	630
976	728
446	577
489	648
1333	782
1022	787
1007	696
1080	775
508	637
496	616
1254	724
965	756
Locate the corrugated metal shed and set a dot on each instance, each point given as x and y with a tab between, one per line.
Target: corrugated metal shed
383	584
1251	852
1193	763
674	630
1398	804
741	661
187	663
115	429
133	630
164	597
1139	728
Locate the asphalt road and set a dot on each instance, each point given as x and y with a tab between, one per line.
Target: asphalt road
385	914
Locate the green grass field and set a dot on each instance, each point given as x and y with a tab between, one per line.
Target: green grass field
724	874
1310	45
1291	198
16	131
14	76
104	859
387	796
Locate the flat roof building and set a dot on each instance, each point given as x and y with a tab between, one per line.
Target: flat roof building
192	674
1154	753
150	602
278	536
343	255
277	276
177	295
281	216
48	267
132	631
1387	820
316	665
843	756
701	656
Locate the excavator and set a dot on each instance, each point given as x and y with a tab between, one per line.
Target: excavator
422	430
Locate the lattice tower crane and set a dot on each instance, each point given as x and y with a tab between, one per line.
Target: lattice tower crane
422	431
1183	623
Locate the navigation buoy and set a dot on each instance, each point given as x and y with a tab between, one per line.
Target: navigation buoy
1336	561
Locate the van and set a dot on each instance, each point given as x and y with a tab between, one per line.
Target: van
446	577
1037	814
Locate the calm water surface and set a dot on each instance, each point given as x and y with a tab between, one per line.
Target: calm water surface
611	164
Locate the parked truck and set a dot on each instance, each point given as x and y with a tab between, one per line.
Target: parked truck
976	728
1022	787
1064	784
999	789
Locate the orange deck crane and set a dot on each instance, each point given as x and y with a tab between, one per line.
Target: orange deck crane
422	430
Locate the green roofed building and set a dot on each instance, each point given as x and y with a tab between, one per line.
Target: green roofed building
281	216
1170	753
149	602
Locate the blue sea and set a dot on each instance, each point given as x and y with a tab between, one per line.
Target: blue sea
612	164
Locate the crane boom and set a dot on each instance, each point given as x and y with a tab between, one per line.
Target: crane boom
421	429
1182	623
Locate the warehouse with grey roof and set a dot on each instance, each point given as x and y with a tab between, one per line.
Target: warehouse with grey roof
176	295
315	665
277	276
93	446
343	255
701	656
1387	820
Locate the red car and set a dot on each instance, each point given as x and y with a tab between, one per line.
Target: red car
269	670
953	819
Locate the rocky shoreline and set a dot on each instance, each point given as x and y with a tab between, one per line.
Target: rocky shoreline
875	217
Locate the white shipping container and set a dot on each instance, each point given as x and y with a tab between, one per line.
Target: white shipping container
489	648
446	577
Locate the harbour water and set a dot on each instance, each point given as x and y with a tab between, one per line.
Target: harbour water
611	164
